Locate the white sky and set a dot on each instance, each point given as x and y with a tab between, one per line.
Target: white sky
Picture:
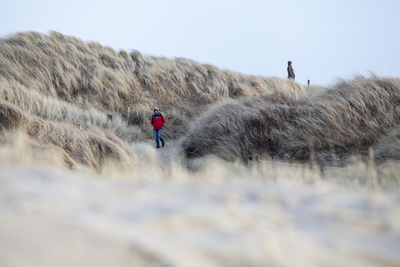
324	39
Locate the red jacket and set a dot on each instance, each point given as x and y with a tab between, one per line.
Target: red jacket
157	121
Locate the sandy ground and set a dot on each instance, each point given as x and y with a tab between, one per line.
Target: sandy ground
166	151
50	217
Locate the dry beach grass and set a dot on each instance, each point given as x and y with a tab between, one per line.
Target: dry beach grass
61	90
77	182
351	115
223	214
63	79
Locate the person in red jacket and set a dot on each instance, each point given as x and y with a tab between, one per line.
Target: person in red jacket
158	121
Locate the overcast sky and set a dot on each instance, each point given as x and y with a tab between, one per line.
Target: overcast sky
324	39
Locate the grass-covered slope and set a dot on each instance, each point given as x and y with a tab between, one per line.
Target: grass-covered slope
88	146
351	114
61	84
89	75
62	90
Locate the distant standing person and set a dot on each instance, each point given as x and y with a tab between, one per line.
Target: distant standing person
158	121
290	70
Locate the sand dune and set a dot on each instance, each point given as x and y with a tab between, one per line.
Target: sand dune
256	171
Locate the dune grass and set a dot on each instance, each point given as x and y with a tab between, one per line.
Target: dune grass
88	146
92	76
56	95
60	83
350	115
62	90
52	109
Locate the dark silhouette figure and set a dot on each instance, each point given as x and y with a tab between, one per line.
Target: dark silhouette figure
290	70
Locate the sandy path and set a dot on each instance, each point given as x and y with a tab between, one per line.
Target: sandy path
165	153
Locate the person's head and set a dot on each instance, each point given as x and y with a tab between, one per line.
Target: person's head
156	111
289	63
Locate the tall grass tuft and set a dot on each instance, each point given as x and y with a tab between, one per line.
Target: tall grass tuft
350	115
88	146
61	111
